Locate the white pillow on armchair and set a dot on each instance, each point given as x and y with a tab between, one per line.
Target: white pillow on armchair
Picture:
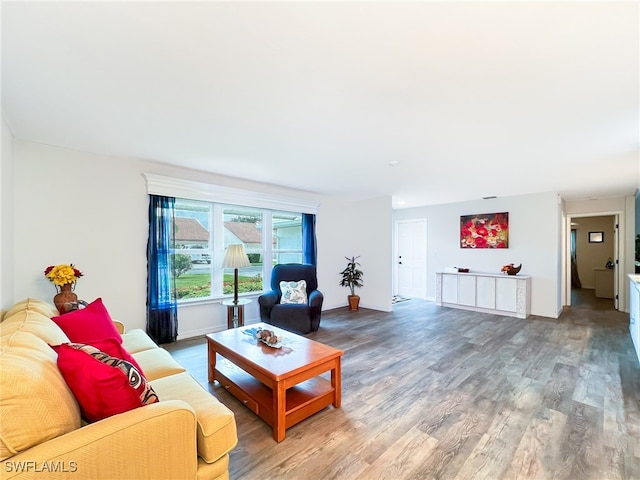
294	292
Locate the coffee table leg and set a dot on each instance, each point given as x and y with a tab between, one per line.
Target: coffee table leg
336	383
280	412
212	362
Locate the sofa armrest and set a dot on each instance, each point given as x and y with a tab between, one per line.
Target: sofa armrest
156	441
119	326
316	298
268	299
267	302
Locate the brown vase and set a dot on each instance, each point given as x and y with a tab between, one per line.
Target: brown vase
66	300
354	302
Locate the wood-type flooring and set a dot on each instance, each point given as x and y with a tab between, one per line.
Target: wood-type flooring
434	393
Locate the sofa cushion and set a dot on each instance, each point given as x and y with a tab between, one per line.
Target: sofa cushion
87	324
102	384
157	363
217	470
137	340
216	423
36	404
294	292
31	320
35	305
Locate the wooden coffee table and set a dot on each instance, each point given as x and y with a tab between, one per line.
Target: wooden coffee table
282	385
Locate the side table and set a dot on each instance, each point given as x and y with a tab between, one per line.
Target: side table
235	312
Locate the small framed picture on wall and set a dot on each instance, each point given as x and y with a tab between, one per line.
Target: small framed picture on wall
596	237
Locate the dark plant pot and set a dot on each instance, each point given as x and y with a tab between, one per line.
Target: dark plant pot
354	302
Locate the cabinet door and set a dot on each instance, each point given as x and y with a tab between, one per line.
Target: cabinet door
634	316
449	288
506	299
486	292
467	290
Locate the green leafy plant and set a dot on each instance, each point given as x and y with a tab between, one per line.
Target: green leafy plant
254	258
245	284
352	275
180	263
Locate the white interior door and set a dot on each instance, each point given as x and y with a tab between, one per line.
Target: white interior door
411	258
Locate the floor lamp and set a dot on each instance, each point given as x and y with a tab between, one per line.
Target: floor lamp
235	257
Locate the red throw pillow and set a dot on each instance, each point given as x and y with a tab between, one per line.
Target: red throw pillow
103	385
88	324
113	348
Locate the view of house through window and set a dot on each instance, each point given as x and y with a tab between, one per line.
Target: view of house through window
203	231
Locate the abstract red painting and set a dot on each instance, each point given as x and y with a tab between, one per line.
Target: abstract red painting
484	230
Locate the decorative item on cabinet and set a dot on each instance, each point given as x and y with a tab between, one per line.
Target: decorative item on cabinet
510	269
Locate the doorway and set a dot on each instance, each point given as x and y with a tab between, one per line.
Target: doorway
593	259
411	258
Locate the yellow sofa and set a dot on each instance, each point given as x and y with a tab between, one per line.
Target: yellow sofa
188	434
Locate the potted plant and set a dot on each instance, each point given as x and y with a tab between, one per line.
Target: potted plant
352	278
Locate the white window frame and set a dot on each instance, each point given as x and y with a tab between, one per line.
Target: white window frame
219	198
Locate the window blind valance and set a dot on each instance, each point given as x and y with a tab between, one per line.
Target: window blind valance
188	189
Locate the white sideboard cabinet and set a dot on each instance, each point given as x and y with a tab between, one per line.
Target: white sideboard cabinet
485	292
634	311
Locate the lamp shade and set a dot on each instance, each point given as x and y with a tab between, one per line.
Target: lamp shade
235	257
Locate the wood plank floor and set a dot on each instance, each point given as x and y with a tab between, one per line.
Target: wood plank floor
437	393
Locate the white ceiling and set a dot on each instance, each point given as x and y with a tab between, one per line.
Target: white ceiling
471	98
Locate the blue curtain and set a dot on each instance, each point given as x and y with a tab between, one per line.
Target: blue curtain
309	248
162	308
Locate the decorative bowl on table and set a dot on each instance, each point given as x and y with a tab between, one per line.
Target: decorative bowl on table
268	337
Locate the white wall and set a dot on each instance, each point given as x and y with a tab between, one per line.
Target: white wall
91	210
363	229
534	241
6	219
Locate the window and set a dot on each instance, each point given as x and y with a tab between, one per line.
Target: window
192	258
287	237
203	232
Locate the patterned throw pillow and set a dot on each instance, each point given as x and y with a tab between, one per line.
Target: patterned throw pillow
103	385
294	292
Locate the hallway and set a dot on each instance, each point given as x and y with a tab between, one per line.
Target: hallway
586	298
